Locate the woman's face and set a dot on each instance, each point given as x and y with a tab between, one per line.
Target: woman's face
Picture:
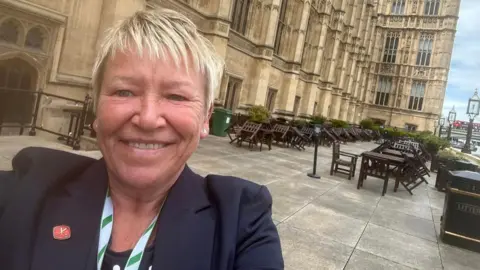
150	118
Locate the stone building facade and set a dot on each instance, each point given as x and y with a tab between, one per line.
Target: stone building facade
344	59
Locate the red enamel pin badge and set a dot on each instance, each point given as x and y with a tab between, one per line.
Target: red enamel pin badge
62	232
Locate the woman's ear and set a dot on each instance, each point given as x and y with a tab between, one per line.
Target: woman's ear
206	123
95	125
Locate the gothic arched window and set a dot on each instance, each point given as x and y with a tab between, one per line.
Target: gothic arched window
35	38
9	31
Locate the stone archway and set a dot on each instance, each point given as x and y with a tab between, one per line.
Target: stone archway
18	82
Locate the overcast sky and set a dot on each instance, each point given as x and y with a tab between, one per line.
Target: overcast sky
464	74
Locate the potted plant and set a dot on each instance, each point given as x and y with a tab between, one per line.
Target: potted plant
318	119
258	114
449	160
367	124
339	123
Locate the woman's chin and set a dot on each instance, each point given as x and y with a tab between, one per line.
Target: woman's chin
140	179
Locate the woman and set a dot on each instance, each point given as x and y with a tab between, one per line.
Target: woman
140	206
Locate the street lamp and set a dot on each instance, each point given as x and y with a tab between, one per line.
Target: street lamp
441	123
317	131
451	118
473	110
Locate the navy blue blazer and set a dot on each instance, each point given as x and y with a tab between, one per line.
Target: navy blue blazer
216	222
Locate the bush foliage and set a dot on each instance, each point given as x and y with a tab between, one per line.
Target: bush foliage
258	113
318	119
338	123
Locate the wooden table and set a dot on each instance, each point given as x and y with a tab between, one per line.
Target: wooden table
394	160
396	153
378	165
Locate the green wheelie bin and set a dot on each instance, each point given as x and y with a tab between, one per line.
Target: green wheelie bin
221	120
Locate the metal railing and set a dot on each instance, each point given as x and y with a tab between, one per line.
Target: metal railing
77	117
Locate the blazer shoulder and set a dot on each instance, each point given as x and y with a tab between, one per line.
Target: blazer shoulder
46	160
230	186
44	165
245	210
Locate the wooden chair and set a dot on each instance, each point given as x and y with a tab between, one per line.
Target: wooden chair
280	133
337	161
413	174
298	140
375	167
249	133
326	138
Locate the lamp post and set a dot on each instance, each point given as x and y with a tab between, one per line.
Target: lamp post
441	122
316	136
452	115
435	125
473	110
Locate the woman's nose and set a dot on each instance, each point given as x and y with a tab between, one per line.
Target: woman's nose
151	114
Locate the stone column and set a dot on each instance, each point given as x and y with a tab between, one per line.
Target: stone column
261	68
364	89
260	76
308	98
301	36
361	19
358	81
350	89
218	32
341	83
289	90
326	99
368	28
113	11
351	111
336	104
321	44
333	61
344	108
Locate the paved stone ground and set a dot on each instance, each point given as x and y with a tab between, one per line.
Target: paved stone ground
325	223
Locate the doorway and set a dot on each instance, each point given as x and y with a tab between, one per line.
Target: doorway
18	80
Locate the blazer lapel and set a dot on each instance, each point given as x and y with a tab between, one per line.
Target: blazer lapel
78	206
186	226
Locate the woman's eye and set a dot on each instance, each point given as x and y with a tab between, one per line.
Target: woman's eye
123	93
176	97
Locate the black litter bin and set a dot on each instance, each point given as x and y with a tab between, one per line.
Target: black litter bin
461	212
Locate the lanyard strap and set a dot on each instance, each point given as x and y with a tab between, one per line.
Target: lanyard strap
106	225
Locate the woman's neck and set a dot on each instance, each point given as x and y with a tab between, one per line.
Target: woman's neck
133	213
136	202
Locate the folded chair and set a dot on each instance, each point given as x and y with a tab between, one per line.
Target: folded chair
338	162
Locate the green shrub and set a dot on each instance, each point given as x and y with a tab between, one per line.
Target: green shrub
299	123
338	123
433	143
450	155
318	119
366	123
395	132
258	114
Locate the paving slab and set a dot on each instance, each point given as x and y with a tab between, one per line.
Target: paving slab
323	223
409	224
361	260
302	250
400	247
328	223
455	258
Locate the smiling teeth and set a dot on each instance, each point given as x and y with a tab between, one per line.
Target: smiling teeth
148	146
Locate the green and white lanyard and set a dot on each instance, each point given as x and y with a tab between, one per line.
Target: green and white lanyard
106	225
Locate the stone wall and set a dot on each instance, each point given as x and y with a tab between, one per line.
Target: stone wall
328	52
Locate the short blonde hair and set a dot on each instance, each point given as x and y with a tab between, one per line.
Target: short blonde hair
161	32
